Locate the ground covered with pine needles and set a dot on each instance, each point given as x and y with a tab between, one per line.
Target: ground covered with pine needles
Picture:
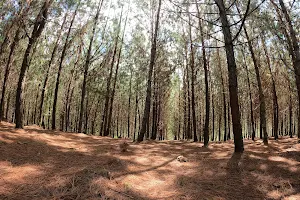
41	164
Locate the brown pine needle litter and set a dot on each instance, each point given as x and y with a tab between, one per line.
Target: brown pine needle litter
42	164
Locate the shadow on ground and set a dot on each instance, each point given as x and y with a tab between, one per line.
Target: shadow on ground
43	164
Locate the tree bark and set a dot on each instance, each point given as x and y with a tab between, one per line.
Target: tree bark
86	66
150	72
232	77
129	105
295	56
63	54
7	70
39	25
48	70
207	95
192	64
275	99
108	125
262	107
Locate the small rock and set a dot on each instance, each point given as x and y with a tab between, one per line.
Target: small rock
182	159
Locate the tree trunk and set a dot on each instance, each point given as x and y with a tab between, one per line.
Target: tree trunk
7	70
107	95
107	130
150	72
224	95
251	105
154	109
63	54
192	64
39	25
295	56
48	70
275	99
263	126
207	95
135	114
232	77
86	66
129	105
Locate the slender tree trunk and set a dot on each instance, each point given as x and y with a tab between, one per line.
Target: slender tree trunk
184	133
63	54
48	70
36	104
192	64
188	134
86	66
223	94
213	118
150	72
232	77
295	56
7	70
129	105
154	109
275	99
39	25
251	105
68	109
107	95
207	95
135	113
107	130
220	121
179	113
228	116
263	124
7	105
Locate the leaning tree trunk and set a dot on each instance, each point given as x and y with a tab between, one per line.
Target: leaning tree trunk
7	70
38	28
86	66
295	56
150	72
107	131
262	106
232	77
108	88
48	70
63	54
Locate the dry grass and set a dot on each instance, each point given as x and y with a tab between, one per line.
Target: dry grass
40	164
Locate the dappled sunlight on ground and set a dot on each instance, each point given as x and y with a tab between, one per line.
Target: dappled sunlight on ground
43	164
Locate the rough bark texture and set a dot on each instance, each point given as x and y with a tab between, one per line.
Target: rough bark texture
63	54
295	55
275	99
232	77
262	107
145	121
38	28
192	64
251	105
7	70
48	70
86	67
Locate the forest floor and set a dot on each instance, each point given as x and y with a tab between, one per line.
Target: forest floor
42	164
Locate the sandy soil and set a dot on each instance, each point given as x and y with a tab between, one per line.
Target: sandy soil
41	164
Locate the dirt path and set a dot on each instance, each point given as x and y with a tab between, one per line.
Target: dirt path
41	164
